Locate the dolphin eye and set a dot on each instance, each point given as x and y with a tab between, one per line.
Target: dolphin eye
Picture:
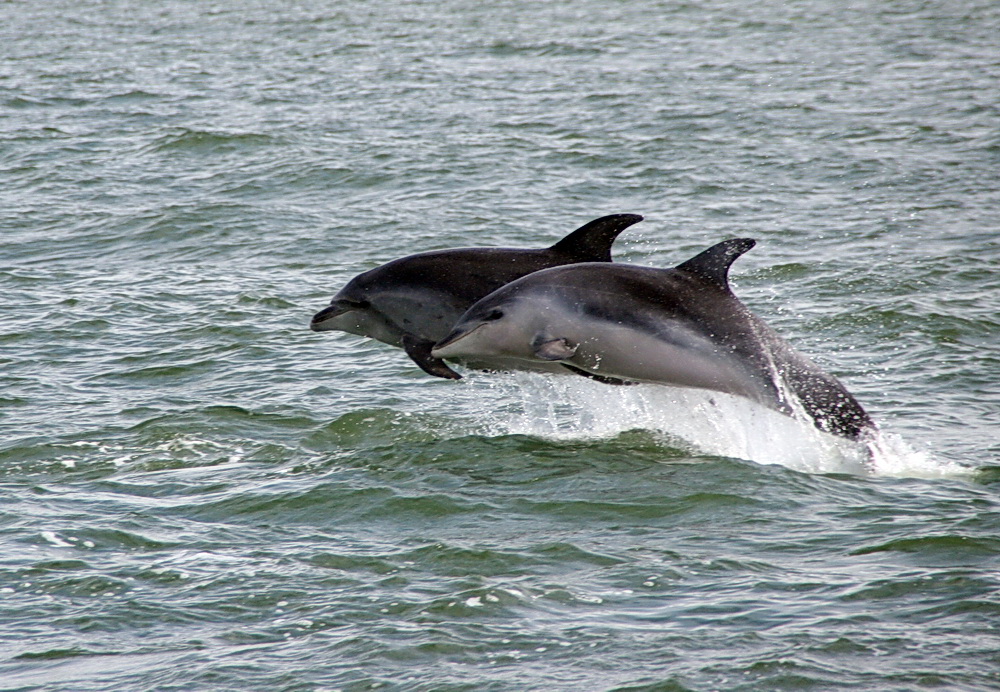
492	315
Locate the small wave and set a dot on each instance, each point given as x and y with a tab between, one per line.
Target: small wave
132	95
377	427
218	142
54	654
507	49
948	547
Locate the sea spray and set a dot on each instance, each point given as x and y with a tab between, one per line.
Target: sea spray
699	421
891	455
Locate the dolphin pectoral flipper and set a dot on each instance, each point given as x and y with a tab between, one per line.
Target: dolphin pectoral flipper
597	378
419	351
713	264
553	349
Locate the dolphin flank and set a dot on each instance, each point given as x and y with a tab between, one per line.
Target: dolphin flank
681	326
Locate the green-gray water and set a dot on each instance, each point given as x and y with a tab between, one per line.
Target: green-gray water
200	493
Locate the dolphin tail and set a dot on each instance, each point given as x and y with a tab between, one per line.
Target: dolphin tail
592	241
830	405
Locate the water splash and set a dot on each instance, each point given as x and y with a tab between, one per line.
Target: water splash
703	422
892	456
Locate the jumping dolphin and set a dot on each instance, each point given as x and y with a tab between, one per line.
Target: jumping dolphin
681	326
414	301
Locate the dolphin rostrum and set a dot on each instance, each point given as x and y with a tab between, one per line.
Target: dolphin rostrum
414	301
681	326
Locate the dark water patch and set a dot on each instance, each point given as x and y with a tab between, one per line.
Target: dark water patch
944	550
654	508
842	646
509	465
57	566
783	272
921	589
133	96
903	320
373	427
312	178
425	507
164	577
354	563
977	614
456	561
987	474
927	679
55	654
653	685
212	435
467	605
325	504
31	456
567	553
160	374
235	417
211	142
92	587
508	49
803	587
118	539
786	674
23	102
271	302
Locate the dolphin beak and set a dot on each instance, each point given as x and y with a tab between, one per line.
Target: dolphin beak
321	320
442	348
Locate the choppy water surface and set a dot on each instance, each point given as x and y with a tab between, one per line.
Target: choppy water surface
199	493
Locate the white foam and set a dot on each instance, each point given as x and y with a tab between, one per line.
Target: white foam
705	422
891	455
54	539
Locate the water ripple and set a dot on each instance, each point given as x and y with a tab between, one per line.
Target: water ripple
197	492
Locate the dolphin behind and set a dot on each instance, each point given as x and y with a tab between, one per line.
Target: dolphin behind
681	326
414	301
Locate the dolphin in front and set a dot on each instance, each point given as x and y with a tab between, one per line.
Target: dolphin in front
414	301
681	326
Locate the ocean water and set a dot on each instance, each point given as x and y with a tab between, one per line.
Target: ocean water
198	493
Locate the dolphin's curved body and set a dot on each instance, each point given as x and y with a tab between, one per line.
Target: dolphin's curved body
681	326
414	301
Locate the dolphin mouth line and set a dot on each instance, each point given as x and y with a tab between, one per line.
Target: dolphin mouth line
328	313
452	339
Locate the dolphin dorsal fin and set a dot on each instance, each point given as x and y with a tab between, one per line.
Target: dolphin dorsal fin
592	241
713	264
